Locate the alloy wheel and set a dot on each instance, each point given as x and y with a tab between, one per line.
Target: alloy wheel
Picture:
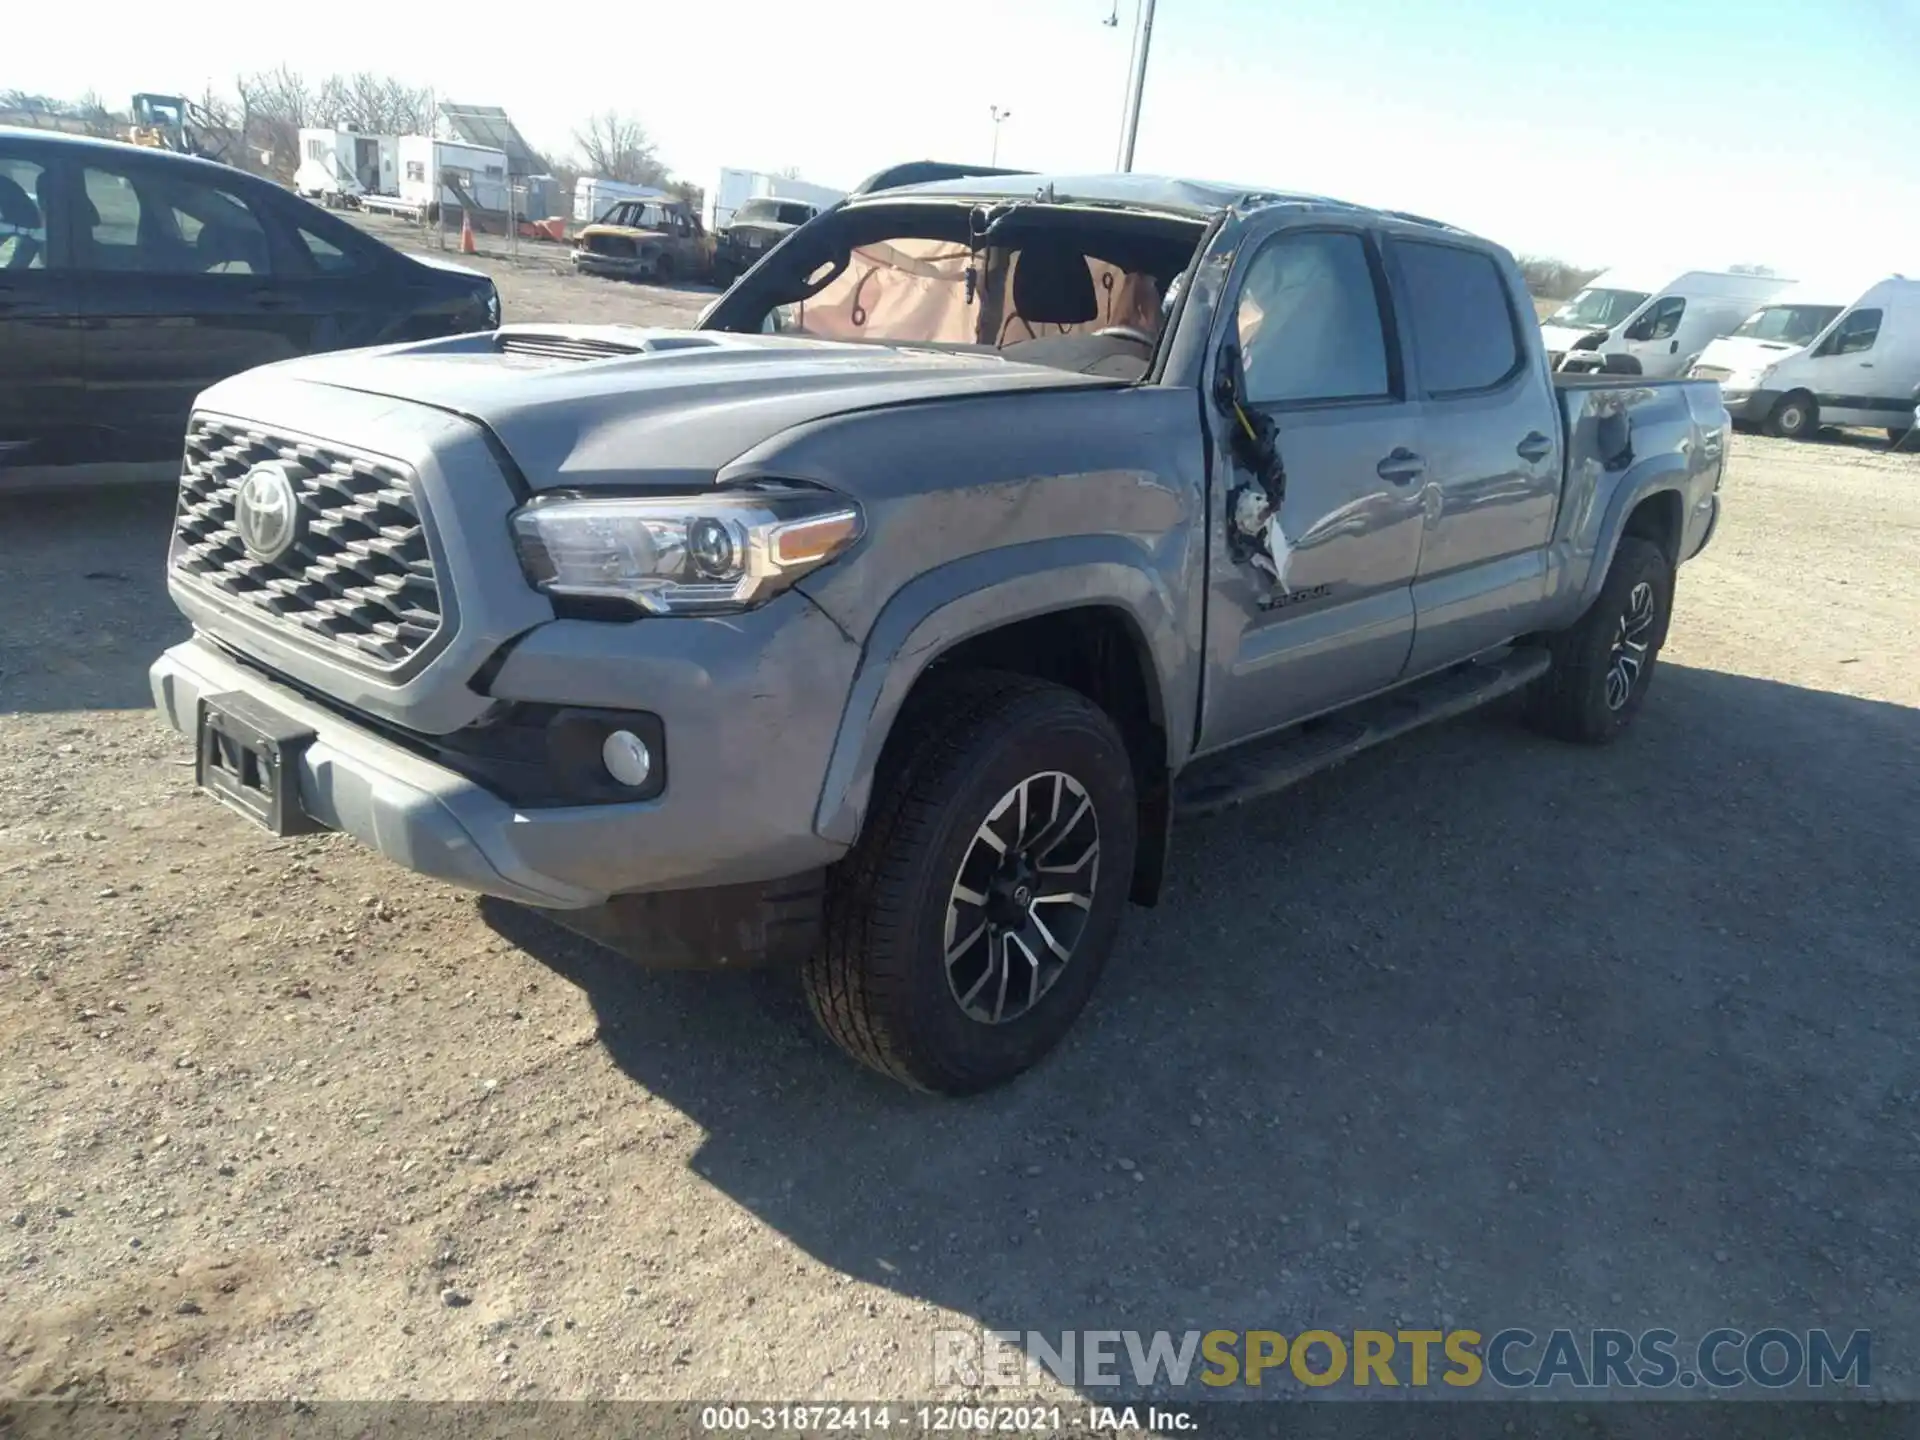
1022	897
1628	659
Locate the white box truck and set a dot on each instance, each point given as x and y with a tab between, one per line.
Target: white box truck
1825	353
447	174
339	166
1662	319
735	187
593	197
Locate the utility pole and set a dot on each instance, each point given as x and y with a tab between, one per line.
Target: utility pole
998	116
1136	81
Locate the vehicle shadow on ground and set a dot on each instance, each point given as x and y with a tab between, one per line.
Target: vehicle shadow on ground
83	581
1478	1030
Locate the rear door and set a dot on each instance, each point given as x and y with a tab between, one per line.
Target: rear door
40	350
1491	437
178	291
1310	311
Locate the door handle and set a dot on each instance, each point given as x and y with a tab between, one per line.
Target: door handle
1674	348
271	300
1535	448
1402	466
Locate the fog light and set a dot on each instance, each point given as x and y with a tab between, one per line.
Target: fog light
627	758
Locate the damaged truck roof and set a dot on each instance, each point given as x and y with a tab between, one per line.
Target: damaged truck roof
1146	192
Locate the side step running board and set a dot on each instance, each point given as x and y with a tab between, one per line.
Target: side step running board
1262	767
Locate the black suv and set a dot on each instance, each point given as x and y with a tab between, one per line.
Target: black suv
755	228
132	278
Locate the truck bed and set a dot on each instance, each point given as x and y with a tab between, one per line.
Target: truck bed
1612	419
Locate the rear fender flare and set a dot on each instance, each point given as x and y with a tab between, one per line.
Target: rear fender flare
1658	473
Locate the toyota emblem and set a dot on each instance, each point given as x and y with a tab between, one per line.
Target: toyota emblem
266	511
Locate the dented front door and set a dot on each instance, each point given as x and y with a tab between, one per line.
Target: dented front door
1312	606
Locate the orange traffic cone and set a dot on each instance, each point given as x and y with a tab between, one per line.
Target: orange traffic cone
467	247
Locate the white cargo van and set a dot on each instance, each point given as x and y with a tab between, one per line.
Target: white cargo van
1660	319
1833	356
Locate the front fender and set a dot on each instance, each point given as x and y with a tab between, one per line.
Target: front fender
979	593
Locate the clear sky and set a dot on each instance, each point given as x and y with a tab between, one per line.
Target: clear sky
1697	132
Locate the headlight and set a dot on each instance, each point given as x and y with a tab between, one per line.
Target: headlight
683	554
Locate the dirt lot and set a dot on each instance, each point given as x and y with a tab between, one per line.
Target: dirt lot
1478	1030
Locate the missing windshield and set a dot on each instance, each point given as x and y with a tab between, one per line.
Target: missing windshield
1078	288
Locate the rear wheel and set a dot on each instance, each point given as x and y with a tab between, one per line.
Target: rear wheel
1604	663
968	925
1796	416
1897	435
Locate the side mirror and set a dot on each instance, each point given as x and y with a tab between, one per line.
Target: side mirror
1621	365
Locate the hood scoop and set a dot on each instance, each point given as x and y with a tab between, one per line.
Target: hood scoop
575	345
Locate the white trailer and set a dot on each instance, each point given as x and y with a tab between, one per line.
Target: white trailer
338	165
736	187
593	197
447	174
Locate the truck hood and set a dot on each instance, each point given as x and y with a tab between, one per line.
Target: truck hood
580	407
1744	355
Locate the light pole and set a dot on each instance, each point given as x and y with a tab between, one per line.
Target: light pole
1136	81
998	116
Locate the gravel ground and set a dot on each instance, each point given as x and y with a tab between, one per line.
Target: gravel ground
1478	1030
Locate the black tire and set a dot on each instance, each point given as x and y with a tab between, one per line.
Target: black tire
663	270
1795	416
1580	697
880	983
1897	435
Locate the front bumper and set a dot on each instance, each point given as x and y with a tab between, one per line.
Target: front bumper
614	267
1749	407
738	254
705	831
411	810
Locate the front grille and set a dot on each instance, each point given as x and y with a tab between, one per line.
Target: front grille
358	574
619	246
565	347
1711	372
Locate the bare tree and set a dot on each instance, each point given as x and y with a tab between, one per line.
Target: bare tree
281	95
85	116
616	147
92	112
274	106
374	104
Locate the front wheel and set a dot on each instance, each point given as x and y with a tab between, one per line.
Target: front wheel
1796	417
969	923
1603	664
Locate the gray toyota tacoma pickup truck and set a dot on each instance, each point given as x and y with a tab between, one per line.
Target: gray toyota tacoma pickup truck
882	624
